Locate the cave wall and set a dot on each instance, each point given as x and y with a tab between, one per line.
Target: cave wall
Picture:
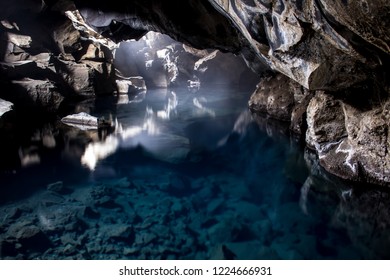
163	62
325	63
45	60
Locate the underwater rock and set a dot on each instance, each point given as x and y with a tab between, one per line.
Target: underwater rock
120	232
144	238
31	238
90	213
251	250
57	187
179	185
7	250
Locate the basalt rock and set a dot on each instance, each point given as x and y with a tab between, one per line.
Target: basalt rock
317	44
281	98
45	60
352	142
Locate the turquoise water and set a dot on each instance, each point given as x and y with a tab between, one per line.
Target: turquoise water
183	176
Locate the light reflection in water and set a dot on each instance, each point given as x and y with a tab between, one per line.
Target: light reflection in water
202	109
147	134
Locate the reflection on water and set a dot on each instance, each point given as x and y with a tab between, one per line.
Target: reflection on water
183	176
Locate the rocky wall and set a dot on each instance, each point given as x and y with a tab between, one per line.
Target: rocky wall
45	60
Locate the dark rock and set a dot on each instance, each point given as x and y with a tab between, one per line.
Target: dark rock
273	97
179	185
228	254
42	44
121	232
350	142
36	93
58	187
130	85
107	202
32	239
14	213
76	225
7	249
90	213
326	120
144	238
282	99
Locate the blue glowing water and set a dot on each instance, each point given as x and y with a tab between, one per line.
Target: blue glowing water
184	176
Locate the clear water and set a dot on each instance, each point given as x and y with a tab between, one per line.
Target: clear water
184	176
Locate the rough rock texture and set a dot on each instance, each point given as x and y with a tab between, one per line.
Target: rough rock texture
278	96
133	84
352	143
312	42
5	106
163	62
297	38
45	59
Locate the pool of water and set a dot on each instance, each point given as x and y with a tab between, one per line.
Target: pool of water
183	176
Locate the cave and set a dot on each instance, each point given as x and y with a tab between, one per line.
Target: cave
199	129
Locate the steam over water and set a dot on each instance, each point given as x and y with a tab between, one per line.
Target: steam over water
182	176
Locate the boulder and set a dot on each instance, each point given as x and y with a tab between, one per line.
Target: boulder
352	143
30	237
36	93
81	120
130	85
5	106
